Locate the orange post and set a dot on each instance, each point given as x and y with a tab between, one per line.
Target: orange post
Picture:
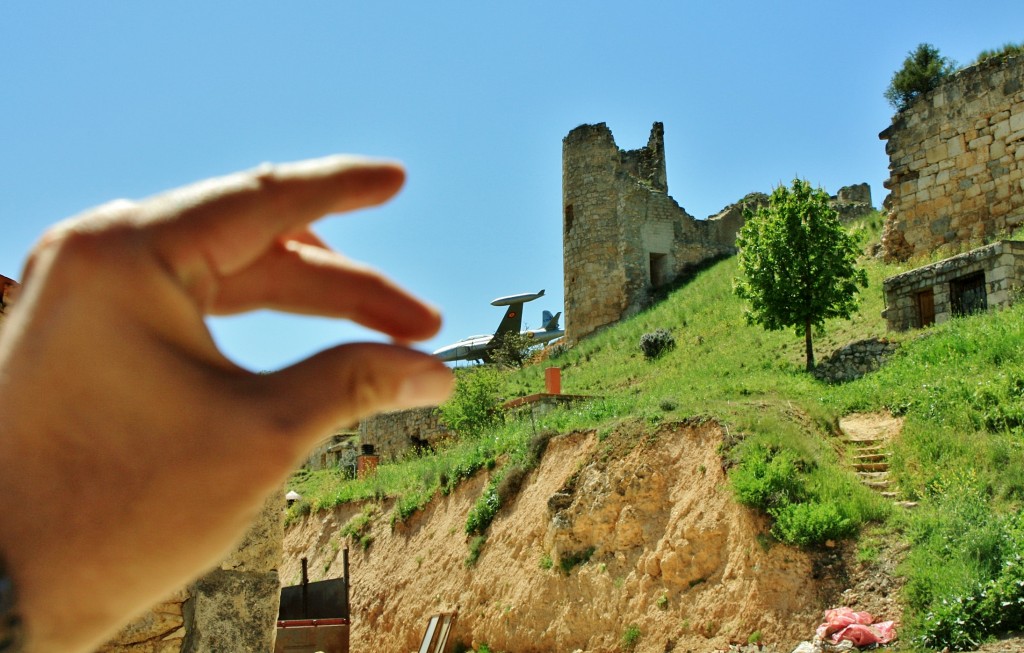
553	380
366	465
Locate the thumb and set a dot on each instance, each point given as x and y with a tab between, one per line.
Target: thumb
342	385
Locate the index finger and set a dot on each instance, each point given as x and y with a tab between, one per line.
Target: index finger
221	225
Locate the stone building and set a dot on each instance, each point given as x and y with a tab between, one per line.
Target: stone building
983	278
956	161
396	433
622	234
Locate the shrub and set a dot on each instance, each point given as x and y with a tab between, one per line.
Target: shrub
513	350
1008	50
923	70
810	524
357	529
965	570
483	511
475	403
656	343
476	545
767	478
630	637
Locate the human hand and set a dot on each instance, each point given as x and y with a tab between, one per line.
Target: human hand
133	453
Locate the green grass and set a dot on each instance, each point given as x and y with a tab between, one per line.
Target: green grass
959	386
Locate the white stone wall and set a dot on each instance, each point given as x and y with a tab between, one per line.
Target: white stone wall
1002	263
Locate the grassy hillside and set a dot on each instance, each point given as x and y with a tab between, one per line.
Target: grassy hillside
960	387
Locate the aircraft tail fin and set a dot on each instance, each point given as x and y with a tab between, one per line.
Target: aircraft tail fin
550	321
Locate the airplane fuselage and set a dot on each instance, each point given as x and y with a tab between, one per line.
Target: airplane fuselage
479	347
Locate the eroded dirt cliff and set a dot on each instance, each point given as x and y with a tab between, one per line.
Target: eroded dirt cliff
668	554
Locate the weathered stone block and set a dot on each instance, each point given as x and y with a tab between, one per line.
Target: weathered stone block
232	611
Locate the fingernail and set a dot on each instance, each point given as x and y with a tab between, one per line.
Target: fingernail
428	387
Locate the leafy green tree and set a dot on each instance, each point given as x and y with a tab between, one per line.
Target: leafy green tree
475	403
513	350
923	69
798	263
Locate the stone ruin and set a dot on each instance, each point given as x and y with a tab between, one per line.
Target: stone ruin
622	234
624	237
956	162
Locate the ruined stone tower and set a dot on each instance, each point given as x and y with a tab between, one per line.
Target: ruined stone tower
622	234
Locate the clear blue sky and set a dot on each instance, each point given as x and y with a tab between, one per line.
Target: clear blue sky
124	99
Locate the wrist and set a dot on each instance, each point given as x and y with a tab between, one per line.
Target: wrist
11	633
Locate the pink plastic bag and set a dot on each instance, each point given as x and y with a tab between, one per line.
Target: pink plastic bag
844	623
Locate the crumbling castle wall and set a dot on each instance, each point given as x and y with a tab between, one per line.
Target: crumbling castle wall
956	161
622	234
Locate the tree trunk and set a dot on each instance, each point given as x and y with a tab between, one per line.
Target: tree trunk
810	347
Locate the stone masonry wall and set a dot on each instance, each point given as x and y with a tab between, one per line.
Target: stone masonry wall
393	434
956	161
622	234
855	359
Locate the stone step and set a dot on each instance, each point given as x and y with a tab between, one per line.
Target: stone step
871	467
873	476
863	440
878	448
870	457
877	453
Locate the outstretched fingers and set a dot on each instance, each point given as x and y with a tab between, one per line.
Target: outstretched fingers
304	278
217	227
342	385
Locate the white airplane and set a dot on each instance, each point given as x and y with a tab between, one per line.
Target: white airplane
479	347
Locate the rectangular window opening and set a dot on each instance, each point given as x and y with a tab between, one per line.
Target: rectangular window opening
967	294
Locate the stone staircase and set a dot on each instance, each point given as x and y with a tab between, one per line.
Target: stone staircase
870	459
867	441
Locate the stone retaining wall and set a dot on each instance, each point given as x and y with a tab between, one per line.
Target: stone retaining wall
855	359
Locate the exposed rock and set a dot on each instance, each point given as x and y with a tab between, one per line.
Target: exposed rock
650	535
